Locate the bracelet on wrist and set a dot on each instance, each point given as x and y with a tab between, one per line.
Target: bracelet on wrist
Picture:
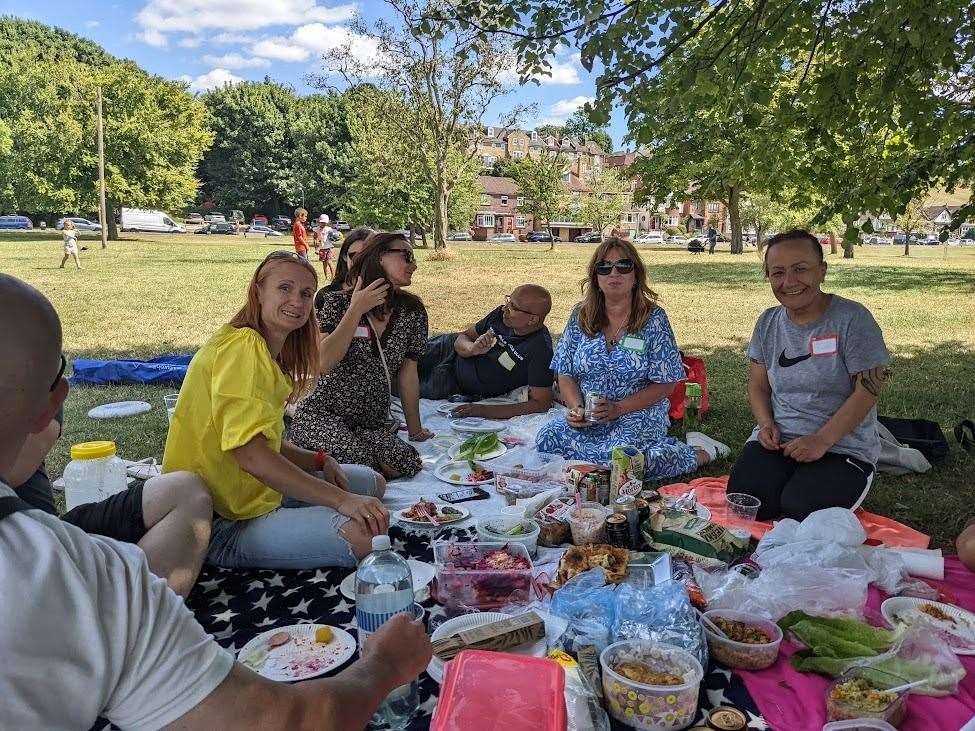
320	457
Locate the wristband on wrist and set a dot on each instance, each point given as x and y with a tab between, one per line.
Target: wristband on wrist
320	456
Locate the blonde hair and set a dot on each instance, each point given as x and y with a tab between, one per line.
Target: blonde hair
68	225
298	358
592	311
299	212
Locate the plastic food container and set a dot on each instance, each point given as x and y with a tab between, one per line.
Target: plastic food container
859	724
588	523
493	528
525	473
484	691
742	655
651	707
839	710
94	473
461	585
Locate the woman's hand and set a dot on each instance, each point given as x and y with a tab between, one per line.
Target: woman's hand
421	435
605	410
806	449
577	418
368	512
769	436
332	472
364	299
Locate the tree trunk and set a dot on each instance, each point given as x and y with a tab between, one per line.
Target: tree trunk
548	227
759	238
412	236
847	243
832	243
423	236
110	215
734	214
907	245
441	201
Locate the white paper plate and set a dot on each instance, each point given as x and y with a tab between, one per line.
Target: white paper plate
476	425
119	408
703	511
302	657
464	514
897	605
468	621
423	574
445	409
447	471
496	452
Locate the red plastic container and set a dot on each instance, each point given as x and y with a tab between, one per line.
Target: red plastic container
495	691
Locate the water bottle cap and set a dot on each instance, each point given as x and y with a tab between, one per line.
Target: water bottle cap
381	543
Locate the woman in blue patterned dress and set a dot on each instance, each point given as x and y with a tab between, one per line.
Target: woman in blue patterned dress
618	342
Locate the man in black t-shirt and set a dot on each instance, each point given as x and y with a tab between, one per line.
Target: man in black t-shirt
507	349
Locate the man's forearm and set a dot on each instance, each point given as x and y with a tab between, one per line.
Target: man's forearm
463	345
506	411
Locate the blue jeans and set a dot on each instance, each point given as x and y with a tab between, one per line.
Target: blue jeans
295	536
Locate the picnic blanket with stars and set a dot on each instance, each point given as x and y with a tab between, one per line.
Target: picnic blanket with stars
236	605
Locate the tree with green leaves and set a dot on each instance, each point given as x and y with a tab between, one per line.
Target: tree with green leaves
579	125
912	221
603	205
540	182
444	77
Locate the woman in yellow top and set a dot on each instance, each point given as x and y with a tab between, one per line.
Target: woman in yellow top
270	509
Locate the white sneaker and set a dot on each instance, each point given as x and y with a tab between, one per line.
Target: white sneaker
712	447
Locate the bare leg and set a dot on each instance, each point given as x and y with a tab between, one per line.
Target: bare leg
77	261
177	510
63	260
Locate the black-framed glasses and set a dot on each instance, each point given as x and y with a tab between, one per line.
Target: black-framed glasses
407	254
510	304
57	378
623	266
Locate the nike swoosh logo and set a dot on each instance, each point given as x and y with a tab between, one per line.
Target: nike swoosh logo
789	362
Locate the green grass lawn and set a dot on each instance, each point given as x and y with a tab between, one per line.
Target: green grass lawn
162	294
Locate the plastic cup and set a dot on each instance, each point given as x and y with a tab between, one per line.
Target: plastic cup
170	401
588	524
743	506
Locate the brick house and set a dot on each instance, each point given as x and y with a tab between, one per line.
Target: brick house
498	211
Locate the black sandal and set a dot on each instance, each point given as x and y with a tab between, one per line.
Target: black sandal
965	434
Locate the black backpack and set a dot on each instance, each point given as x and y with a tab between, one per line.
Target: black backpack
923	435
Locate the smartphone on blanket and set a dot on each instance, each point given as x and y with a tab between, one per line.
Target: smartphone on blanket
462	496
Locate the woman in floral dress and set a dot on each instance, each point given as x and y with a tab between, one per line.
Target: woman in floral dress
619	343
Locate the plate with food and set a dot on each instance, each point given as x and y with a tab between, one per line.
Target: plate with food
955	625
421	571
469	621
297	652
476	425
419	513
463	472
480	446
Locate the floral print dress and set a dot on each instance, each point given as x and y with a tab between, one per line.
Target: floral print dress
619	373
346	413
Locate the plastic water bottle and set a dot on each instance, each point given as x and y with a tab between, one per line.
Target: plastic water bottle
384	588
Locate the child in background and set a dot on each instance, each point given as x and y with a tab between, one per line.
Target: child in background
324	245
70	243
298	233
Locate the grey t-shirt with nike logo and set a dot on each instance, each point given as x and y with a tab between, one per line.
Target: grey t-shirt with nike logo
811	369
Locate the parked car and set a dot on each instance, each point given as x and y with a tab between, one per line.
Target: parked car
875	240
80	224
258	230
341	226
259	220
194	218
215	218
16	222
540	236
281	223
593	237
675	240
459	236
649	238
930	240
218	227
149	220
511	238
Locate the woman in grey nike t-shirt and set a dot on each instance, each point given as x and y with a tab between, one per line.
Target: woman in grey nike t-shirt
818	364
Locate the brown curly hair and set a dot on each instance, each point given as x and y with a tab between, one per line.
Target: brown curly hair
592	310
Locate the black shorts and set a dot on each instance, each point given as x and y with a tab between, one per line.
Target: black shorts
119	517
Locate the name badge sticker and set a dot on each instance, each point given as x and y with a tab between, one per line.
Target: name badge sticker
362	332
633	344
506	361
824	345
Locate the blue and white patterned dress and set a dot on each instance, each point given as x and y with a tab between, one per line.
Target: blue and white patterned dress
617	374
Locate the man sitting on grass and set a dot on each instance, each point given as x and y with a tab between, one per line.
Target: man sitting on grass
88	631
169	517
507	349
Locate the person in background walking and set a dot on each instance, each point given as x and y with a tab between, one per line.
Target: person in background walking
712	239
70	244
324	245
299	234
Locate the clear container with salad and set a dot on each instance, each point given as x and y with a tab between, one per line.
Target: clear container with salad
482	575
862	692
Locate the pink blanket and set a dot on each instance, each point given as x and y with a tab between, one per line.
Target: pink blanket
792	701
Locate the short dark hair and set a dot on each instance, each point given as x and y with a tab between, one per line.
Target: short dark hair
796	234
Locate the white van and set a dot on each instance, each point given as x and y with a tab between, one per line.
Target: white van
147	219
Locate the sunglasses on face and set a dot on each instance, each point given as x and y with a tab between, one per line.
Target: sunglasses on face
623	266
57	378
407	255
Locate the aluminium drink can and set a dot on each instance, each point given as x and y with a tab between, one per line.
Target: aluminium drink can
591	398
626	505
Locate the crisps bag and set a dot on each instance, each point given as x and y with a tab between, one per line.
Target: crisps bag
696	373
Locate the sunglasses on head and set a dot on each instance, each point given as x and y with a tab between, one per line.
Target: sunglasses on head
407	255
57	378
623	266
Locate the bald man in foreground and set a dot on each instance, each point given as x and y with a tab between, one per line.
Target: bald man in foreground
88	631
509	348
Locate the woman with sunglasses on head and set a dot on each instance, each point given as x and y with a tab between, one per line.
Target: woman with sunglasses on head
352	244
618	343
271	510
363	353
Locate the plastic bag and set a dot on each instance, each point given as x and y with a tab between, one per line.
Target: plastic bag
921	654
590	605
583	703
660	613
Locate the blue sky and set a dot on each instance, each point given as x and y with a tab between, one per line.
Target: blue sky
210	42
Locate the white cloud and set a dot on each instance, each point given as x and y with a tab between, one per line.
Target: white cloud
280	49
236	61
565	107
314	39
92	24
160	17
190	42
213	80
563	72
